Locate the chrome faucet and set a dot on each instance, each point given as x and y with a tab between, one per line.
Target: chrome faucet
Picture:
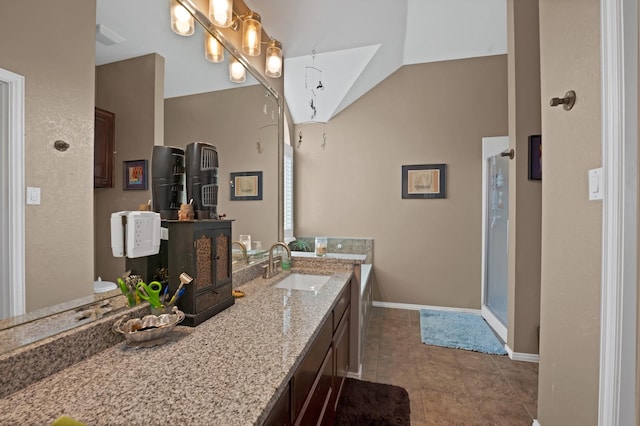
245	256
272	268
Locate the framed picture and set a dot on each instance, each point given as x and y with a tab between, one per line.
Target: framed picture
424	181
135	174
535	157
246	186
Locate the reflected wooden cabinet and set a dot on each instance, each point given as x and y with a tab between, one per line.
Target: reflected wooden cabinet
202	249
103	148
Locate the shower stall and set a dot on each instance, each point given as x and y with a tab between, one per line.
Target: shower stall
495	233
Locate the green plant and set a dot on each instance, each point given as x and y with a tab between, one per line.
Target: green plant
300	245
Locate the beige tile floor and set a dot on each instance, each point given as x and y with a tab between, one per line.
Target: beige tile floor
448	386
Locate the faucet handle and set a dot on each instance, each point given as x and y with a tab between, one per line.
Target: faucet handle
265	273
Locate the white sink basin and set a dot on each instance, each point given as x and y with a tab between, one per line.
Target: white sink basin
303	282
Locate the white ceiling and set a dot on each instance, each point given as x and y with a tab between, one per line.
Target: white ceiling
357	43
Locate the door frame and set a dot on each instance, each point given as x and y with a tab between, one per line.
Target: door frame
618	329
490	146
13	272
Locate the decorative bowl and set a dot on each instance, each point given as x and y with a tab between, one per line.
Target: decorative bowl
149	327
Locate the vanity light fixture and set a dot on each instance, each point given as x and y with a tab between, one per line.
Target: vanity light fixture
181	20
237	73
213	50
273	65
251	34
221	13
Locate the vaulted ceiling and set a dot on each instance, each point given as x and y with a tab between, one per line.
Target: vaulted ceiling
350	46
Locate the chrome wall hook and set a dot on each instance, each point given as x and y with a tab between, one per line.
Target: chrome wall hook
567	102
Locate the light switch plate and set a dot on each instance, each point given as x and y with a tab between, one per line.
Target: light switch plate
596	187
33	195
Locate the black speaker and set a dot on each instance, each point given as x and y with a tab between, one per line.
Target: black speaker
167	180
202	179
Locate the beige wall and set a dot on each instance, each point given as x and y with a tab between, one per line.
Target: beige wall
427	252
525	196
234	121
571	224
57	62
134	90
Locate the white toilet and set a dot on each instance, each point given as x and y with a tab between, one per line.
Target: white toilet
103	286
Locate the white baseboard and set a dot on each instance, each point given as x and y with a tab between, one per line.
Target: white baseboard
520	356
356	375
412	307
535	423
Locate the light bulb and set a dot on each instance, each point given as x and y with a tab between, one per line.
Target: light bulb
219	16
236	71
273	64
251	38
213	50
251	34
221	12
181	21
221	6
182	27
181	13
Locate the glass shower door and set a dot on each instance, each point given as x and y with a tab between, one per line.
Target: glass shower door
497	237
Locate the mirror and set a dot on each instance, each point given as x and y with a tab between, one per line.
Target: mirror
250	146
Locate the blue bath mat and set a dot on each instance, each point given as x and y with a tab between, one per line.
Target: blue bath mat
459	330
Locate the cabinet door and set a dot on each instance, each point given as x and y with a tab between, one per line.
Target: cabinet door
103	150
307	373
341	355
317	408
223	256
212	258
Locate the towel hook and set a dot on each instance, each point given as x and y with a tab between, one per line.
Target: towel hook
567	102
510	153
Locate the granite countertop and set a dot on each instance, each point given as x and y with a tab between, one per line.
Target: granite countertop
228	370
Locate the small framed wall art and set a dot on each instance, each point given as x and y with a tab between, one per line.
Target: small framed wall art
246	186
424	181
135	174
535	157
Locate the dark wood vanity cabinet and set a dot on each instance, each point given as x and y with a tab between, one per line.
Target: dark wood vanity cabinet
103	148
314	389
202	250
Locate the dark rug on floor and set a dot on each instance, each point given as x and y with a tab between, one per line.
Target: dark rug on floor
374	404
